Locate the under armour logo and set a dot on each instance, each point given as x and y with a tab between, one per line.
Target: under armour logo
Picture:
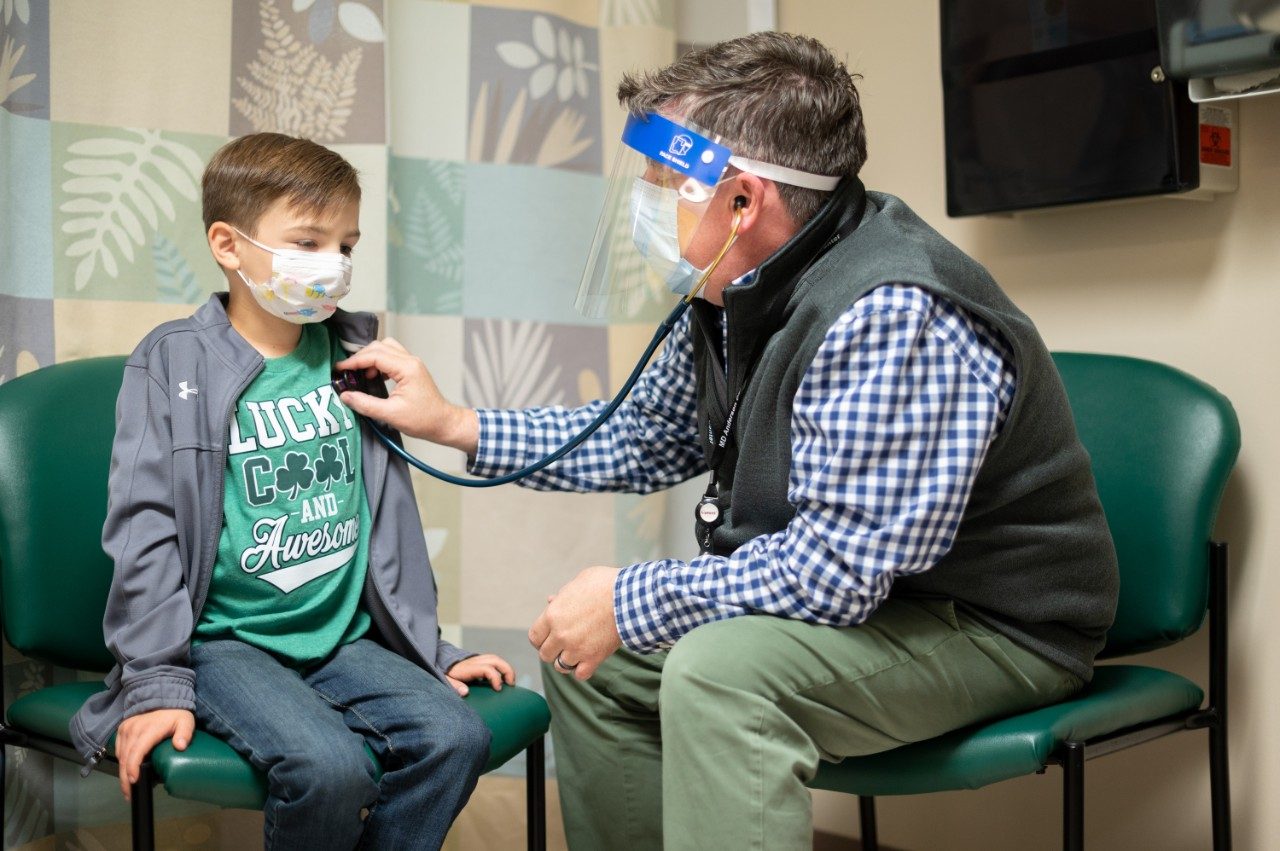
185	392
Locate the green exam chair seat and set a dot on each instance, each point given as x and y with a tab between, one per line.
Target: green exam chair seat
56	430
1120	696
210	771
1162	446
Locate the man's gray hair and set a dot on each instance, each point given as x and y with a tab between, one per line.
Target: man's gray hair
776	97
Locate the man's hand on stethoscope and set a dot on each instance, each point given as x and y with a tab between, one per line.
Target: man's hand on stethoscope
576	631
415	406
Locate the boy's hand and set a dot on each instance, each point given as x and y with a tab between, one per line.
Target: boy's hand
486	666
140	733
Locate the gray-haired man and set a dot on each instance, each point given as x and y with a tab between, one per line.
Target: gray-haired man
900	533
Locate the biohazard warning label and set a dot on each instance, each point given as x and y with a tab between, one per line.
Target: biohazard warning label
1215	145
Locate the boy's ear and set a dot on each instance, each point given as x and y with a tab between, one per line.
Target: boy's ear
222	242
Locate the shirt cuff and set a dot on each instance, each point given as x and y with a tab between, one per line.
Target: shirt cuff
638	609
502	442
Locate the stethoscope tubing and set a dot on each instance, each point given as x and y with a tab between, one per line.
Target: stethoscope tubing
659	335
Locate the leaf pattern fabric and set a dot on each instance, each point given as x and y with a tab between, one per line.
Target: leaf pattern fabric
474	238
117	185
535	91
292	88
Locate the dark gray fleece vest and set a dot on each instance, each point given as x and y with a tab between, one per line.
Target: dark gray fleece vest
1033	556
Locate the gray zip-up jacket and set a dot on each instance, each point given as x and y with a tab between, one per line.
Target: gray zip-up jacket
164	519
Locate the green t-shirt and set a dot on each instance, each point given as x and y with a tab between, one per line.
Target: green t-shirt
295	537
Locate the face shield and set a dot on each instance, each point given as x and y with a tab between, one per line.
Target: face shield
663	180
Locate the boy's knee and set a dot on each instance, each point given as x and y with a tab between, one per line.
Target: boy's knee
341	778
460	737
471	739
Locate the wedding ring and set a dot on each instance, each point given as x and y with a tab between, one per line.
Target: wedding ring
560	663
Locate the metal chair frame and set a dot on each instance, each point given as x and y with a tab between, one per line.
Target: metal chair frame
1212	717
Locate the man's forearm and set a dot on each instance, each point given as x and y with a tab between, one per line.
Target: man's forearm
631	452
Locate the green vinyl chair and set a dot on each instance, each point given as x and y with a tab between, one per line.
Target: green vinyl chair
56	429
1162	445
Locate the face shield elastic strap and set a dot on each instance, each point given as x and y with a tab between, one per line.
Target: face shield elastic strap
784	174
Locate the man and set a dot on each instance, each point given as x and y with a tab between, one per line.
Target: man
901	534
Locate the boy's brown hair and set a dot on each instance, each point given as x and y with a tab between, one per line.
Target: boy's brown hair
247	175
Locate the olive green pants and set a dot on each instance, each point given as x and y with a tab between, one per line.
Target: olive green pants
711	744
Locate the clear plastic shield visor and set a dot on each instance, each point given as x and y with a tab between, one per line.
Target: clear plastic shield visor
658	192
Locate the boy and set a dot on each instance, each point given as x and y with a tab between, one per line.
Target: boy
271	577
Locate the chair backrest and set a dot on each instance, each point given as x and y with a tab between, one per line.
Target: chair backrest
56	428
1162	445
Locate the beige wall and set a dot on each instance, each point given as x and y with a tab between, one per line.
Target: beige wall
1196	285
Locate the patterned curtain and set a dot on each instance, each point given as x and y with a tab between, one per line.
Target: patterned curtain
482	133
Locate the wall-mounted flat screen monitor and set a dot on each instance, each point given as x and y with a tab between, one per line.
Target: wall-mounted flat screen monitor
1051	102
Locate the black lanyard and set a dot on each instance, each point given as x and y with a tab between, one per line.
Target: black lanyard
716	447
710	510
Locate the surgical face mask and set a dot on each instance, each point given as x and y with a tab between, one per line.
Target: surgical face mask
305	286
656	233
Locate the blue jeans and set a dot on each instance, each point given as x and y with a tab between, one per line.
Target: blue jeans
308	730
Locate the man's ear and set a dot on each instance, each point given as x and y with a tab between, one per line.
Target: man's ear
222	242
750	198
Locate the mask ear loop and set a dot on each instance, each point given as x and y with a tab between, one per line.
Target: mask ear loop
733	237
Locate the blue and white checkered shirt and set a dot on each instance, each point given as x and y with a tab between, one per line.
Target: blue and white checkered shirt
888	429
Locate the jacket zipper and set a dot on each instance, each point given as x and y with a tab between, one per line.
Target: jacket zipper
220	494
92	762
381	614
206	569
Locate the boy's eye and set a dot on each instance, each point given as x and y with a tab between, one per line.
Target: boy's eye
306	243
346	250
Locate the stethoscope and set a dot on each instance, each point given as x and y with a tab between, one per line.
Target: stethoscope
350	380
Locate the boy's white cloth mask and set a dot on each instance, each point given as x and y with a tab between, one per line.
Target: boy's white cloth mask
305	286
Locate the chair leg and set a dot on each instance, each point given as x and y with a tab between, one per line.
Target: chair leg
1219	787
536	795
867	820
1219	777
1073	797
143	812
